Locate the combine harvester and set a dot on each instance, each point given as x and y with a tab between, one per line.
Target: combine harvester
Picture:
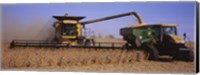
154	39
69	33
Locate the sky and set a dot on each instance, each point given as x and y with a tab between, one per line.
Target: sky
34	21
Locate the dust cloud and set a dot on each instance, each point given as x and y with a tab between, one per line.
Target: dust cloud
33	28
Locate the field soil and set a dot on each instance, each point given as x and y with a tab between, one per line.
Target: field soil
89	60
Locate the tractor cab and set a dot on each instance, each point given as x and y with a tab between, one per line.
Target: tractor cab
169	34
169	30
67	28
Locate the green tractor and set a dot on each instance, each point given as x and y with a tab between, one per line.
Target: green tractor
157	40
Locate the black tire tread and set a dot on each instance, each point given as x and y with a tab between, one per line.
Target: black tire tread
154	54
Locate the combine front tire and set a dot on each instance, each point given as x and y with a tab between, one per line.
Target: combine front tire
89	42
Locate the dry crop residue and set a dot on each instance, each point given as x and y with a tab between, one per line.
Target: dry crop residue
92	60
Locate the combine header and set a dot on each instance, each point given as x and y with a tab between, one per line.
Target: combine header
154	39
44	43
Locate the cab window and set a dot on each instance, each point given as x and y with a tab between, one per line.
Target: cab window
69	29
169	30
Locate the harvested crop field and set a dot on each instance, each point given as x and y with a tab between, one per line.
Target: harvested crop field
89	60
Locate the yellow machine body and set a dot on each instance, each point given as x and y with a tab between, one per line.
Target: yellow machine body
68	30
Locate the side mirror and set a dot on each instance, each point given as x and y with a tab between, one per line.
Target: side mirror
184	35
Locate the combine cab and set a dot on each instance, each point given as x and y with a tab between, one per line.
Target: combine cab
68	30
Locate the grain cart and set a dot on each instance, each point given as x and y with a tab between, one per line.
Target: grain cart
157	40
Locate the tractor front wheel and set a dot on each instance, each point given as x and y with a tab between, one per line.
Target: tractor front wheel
190	56
184	55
